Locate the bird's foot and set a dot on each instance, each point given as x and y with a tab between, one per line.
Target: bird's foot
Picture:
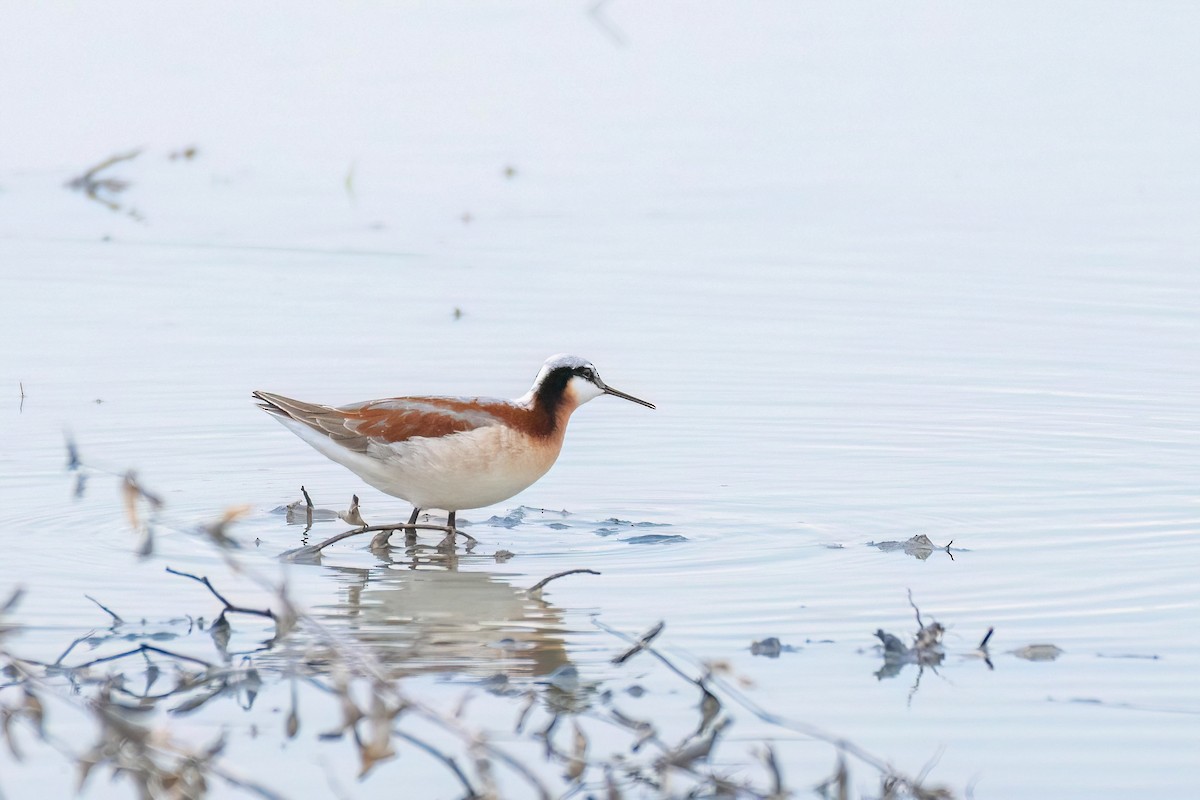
382	539
450	539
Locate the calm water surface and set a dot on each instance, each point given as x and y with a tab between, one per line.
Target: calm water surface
866	313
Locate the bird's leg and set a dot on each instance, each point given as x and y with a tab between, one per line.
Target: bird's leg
380	542
410	534
451	531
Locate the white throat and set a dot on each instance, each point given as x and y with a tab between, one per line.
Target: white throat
582	389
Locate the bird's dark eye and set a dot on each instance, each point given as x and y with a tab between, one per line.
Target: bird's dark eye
587	373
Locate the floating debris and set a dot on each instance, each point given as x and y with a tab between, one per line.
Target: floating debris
925	651
1146	656
184	153
771	647
352	515
628	524
104	190
1038	652
297	513
655	538
510	520
919	547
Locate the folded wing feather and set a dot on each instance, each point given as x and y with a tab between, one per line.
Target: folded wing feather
389	421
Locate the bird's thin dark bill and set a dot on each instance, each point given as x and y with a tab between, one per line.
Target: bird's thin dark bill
623	396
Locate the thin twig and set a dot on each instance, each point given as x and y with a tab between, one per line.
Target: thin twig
88	177
72	646
313	549
800	727
710	704
143	648
116	618
518	767
246	784
308	509
537	587
638	646
766	716
450	763
73	462
920	625
776	774
228	605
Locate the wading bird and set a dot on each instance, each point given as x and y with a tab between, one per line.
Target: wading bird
450	453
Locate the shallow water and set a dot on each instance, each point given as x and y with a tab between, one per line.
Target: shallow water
883	277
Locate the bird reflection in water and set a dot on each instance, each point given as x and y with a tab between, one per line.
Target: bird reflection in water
430	617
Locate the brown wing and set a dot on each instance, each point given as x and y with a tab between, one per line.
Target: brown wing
389	421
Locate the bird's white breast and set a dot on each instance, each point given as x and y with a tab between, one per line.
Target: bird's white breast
463	470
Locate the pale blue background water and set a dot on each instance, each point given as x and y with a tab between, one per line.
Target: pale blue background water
889	271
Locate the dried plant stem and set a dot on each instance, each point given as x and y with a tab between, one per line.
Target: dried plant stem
843	745
336	663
